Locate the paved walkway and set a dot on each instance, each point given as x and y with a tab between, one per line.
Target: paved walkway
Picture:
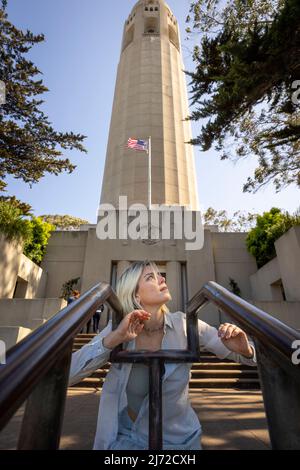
230	419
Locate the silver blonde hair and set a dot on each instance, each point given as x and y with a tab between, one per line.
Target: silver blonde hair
127	286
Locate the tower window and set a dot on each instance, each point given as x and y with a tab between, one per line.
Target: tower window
129	36
173	36
146	9
151	26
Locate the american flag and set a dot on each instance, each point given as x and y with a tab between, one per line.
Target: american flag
137	144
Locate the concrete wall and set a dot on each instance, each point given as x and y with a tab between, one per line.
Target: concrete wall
64	260
232	260
11	335
285	269
15	266
28	313
34	276
261	282
10	256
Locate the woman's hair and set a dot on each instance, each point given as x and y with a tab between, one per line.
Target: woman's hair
127	286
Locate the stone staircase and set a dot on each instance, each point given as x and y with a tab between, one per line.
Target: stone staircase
211	373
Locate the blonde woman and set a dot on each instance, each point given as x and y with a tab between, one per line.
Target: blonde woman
123	418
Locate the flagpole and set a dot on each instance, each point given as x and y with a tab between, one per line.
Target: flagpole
149	173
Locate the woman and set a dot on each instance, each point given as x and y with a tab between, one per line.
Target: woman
123	417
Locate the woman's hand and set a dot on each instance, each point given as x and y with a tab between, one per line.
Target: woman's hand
132	324
129	328
235	339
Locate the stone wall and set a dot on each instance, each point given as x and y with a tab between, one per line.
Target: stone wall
28	313
19	276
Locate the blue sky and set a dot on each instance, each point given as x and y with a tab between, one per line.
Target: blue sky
79	61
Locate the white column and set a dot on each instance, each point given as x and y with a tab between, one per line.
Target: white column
173	273
122	265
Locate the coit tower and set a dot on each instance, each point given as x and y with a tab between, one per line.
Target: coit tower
150	100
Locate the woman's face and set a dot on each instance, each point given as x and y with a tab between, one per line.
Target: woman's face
152	288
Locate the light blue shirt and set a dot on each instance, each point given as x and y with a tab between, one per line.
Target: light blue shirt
181	427
137	386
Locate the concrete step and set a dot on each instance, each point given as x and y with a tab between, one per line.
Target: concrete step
238	383
211	372
225	383
86	335
217	378
101	373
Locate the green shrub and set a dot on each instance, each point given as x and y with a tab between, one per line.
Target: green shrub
269	227
35	249
32	233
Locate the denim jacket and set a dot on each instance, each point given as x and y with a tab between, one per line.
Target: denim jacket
180	423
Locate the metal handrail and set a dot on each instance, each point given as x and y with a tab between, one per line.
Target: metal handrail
274	343
37	368
270	331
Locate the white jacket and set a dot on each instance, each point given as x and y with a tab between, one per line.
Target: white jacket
180	422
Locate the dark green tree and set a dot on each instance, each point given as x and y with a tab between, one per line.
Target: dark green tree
29	145
13	226
245	85
25	208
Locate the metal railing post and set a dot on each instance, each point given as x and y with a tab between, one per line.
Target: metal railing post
281	395
44	412
156	368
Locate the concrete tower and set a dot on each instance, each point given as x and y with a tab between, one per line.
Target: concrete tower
150	100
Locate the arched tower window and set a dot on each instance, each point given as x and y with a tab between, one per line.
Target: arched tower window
173	36
129	36
151	25
151	15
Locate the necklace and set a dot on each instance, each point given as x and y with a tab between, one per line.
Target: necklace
153	330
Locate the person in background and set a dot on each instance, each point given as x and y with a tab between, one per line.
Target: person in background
96	318
75	294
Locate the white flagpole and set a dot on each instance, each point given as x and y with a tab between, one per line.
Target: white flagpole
149	173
